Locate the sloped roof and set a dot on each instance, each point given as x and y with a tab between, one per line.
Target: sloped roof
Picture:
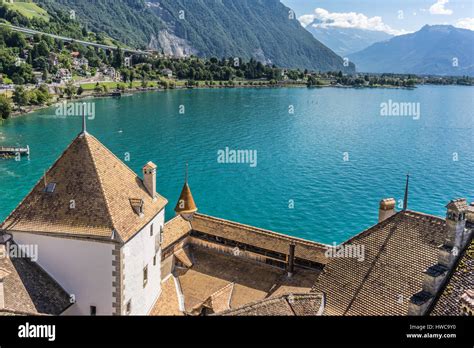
217	280
174	230
218	301
258	237
185	204
29	289
396	252
168	302
101	188
286	305
460	281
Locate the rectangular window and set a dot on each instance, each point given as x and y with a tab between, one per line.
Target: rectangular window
145	275
161	234
151	230
154	260
128	309
93	310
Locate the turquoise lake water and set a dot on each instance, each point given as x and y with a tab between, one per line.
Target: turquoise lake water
300	156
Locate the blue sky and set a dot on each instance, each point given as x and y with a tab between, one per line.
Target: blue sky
385	15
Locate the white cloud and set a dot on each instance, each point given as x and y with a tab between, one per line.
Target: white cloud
465	23
438	8
347	20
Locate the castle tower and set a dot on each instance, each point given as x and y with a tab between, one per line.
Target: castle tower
186	206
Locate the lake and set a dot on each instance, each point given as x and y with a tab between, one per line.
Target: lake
322	159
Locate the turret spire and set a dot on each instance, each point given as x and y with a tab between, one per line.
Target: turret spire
186	206
186	174
84	123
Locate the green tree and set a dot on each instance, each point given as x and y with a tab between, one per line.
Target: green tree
118	58
5	107
97	88
70	89
20	96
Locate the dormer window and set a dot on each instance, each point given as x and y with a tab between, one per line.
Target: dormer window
50	187
138	206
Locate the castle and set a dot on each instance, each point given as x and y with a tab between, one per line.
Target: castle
104	249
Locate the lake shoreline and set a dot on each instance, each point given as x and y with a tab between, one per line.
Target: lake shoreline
33	108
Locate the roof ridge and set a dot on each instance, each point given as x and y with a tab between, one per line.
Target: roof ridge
111	153
393	217
86	135
221	289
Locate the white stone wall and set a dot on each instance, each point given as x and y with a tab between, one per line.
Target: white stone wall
137	253
82	268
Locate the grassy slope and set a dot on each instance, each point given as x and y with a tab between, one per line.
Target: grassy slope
29	10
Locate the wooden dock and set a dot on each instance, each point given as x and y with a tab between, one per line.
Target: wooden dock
12	151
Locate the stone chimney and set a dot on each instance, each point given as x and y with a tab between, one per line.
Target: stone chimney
456	232
149	178
386	208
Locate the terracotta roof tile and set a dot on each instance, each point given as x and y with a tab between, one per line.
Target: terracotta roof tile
168	303
258	237
213	272
183	257
397	251
29	289
286	305
174	230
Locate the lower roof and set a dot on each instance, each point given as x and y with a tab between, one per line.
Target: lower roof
224	281
29	289
396	252
260	238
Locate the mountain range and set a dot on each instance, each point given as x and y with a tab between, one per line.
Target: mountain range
345	41
259	29
433	50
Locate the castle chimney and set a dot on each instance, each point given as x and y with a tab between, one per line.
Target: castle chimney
456	222
386	209
149	178
456	232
